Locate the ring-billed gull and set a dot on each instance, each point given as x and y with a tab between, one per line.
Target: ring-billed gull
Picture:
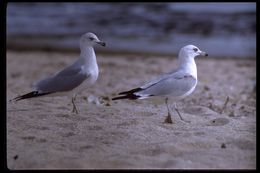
74	78
177	84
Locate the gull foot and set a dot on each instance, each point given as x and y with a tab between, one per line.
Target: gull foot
168	119
75	110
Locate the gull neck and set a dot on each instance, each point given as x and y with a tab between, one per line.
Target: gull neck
86	51
188	64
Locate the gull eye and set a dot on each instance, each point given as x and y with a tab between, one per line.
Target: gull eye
195	49
91	38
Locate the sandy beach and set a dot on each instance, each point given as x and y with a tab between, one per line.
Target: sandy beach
42	133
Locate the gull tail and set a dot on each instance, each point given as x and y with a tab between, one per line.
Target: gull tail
28	95
129	94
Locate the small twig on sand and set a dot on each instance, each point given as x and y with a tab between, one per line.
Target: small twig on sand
225	105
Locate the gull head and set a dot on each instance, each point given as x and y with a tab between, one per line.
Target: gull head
90	39
191	51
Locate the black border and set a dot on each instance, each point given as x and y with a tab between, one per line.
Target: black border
4	168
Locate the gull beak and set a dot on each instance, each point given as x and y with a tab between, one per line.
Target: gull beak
101	43
203	53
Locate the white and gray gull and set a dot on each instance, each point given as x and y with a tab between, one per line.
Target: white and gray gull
74	78
176	84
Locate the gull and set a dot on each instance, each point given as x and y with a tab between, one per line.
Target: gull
74	78
176	84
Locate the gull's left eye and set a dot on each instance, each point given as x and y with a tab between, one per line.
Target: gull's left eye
91	38
195	49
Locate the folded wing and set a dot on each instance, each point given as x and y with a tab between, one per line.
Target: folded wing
174	84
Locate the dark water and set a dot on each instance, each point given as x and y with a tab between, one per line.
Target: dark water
221	29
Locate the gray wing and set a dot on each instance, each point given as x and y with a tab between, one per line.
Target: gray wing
159	78
70	70
65	80
176	85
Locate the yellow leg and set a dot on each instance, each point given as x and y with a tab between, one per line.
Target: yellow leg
74	106
175	107
168	119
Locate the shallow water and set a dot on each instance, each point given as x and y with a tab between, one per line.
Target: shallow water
221	29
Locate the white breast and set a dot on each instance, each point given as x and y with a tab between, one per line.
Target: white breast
93	75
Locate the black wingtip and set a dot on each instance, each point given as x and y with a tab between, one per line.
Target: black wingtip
28	95
16	99
131	91
129	97
129	94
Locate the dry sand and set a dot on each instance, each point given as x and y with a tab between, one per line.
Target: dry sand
43	133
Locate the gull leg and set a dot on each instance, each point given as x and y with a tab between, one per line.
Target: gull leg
168	119
74	106
175	108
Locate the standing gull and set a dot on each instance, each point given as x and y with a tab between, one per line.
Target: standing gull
73	79
176	84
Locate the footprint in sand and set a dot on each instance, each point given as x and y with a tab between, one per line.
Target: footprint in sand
33	138
218	122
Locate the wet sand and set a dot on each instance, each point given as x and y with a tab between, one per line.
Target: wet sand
43	133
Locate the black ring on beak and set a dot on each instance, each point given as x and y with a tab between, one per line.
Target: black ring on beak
101	43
